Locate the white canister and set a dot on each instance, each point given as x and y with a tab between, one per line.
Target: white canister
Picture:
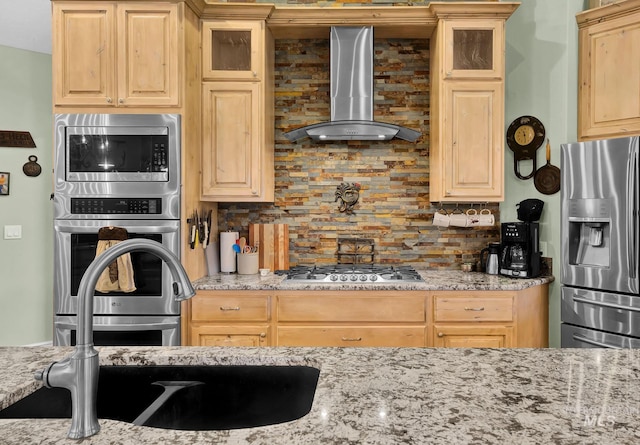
248	263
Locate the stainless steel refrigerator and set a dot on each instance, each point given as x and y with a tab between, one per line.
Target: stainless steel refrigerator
600	236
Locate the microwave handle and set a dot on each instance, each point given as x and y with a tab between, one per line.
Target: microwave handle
119	327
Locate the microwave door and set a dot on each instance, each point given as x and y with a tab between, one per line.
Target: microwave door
599	197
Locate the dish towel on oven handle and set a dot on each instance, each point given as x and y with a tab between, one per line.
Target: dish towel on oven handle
118	276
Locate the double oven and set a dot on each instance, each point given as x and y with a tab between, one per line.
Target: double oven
117	170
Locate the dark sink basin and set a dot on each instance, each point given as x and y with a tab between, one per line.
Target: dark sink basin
187	397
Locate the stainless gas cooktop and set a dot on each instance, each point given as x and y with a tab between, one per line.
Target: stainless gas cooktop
352	273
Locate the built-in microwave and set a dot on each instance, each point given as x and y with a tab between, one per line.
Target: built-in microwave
117	155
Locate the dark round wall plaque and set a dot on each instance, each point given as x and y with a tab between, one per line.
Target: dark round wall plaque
32	168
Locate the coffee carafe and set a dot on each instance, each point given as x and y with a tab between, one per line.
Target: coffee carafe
492	261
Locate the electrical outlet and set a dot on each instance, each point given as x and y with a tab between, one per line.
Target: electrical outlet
12	232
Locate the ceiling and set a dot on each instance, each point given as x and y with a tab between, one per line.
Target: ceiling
26	24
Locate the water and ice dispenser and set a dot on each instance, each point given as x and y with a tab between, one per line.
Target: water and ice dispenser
589	232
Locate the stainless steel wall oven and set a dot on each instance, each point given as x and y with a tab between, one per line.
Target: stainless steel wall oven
117	171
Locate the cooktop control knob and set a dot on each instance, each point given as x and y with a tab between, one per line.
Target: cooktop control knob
353	277
373	277
333	277
343	277
363	278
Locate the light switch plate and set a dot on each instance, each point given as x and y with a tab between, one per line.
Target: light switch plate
12	232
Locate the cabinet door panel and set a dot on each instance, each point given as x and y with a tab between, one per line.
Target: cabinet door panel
148	55
229	336
473	309
474	49
231	147
609	99
83	55
210	307
232	50
472	150
351	336
468	336
352	309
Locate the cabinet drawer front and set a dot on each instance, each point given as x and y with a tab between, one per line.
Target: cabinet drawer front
229	336
218	308
473	309
391	336
351	308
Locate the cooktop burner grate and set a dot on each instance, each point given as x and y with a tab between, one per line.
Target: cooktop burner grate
353	273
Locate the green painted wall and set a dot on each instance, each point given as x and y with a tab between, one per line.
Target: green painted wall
26	265
541	70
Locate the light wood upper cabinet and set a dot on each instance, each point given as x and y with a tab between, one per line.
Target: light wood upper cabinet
467	108
237	112
232	50
609	71
117	54
470	155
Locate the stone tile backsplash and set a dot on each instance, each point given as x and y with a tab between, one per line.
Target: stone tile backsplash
394	207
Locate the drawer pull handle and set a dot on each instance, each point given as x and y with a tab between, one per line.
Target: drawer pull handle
351	338
228	308
476	309
440	334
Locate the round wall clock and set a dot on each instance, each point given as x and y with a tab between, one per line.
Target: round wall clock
524	136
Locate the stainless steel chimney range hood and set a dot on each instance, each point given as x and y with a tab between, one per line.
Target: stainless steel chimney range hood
352	93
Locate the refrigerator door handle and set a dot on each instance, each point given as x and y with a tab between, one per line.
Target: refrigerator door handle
583	339
632	215
603	304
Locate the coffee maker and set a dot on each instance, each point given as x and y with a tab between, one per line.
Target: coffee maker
520	254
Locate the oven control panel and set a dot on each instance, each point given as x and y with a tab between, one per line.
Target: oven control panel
116	206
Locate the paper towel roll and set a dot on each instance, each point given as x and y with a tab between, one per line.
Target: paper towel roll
227	254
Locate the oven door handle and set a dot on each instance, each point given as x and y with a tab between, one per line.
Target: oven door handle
120	326
583	339
603	304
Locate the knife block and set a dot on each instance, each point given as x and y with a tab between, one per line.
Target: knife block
272	241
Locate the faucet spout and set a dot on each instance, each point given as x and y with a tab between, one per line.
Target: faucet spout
79	372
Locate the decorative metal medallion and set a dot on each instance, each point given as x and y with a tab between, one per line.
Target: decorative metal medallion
347	195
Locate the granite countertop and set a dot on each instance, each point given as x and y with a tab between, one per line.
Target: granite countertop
387	396
433	280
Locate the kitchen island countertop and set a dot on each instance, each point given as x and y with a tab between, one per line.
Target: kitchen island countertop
433	280
386	396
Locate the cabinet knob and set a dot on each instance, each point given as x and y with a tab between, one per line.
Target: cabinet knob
440	334
121	101
254	192
262	335
254	74
109	100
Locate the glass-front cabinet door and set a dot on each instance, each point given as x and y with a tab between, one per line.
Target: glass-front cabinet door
232	50
474	49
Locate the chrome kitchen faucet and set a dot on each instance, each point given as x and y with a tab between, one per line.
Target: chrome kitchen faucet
79	372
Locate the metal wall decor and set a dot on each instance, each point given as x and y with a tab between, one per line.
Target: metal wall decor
32	168
347	195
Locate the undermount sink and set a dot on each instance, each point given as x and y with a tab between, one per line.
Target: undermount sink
187	397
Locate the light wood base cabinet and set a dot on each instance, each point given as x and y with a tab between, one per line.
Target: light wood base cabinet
487	319
228	318
490	319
